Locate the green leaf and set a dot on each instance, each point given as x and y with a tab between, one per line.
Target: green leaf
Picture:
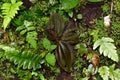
46	43
79	16
95	0
70	13
81	48
104	72
42	77
30	28
97	43
50	58
109	72
13	1
6	22
68	4
107	48
23	32
52	47
117	74
6	48
25	59
94	33
9	10
31	38
20	28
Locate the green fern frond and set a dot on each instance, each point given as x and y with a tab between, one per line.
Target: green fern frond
109	73
9	10
26	59
107	48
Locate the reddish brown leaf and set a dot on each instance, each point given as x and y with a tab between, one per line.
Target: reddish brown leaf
95	60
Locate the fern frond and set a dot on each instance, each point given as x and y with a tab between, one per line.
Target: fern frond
26	59
9	10
109	73
107	48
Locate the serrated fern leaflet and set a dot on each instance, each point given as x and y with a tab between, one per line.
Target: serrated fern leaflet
107	48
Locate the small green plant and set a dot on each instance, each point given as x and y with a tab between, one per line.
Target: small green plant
109	72
106	48
47	45
9	10
50	58
26	58
31	36
90	73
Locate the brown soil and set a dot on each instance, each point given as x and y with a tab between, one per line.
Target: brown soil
64	76
90	12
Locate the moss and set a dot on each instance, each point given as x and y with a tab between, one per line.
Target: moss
117	6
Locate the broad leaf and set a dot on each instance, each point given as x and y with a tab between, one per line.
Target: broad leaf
56	23
64	55
50	58
46	43
107	48
68	4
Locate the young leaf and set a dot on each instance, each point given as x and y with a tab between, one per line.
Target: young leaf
50	58
109	72
104	72
46	43
9	10
107	48
32	38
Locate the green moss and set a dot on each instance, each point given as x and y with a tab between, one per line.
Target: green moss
117	6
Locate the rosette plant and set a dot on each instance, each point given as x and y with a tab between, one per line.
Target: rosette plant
64	37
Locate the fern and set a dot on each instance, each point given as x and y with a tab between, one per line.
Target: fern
9	10
107	48
31	38
104	72
26	59
109	72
